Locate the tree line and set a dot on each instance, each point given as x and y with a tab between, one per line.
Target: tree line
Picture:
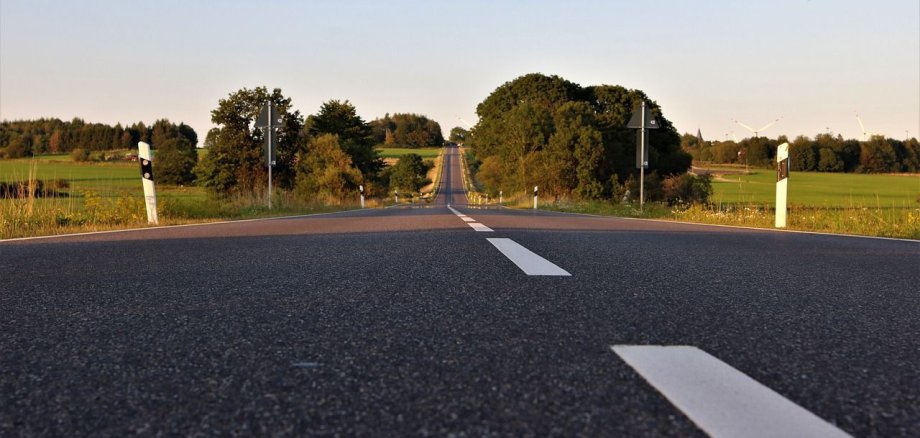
407	130
823	153
325	156
572	141
25	138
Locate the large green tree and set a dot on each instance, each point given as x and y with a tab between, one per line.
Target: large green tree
458	134
340	118
407	130
540	128
236	160
175	154
408	174
325	172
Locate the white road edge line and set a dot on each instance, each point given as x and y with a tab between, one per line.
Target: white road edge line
479	227
721	400
527	260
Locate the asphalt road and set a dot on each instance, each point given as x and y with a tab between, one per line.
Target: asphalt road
407	321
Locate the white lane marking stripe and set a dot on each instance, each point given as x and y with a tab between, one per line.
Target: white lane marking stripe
468	219
453	211
721	400
530	263
479	227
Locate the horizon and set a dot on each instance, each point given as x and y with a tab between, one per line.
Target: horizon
105	63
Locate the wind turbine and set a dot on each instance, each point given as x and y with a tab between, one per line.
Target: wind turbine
465	122
866	134
757	131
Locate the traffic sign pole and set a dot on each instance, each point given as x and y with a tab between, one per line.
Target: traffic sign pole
641	158
271	118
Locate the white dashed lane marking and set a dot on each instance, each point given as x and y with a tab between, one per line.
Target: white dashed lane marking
721	400
479	227
470	221
527	260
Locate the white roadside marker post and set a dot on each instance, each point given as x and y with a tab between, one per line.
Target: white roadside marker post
782	183
501	197
396	196
361	188
150	194
535	189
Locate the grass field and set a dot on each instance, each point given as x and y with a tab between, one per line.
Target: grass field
818	189
109	195
398	152
869	205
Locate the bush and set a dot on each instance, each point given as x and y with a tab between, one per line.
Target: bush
687	189
80	154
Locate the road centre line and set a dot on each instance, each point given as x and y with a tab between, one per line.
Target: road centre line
527	260
479	227
719	399
470	221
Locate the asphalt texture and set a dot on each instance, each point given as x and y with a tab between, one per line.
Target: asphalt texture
407	322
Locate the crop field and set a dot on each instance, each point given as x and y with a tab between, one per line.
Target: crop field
425	153
817	189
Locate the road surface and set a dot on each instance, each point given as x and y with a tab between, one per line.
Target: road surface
426	320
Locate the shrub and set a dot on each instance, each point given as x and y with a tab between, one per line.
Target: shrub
687	188
80	154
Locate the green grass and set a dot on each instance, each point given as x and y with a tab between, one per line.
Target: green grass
869	205
109	195
83	176
399	152
818	189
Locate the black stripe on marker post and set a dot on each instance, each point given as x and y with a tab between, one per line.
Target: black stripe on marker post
782	170
146	169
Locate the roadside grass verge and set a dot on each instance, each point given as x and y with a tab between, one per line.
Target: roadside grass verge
860	220
857	204
107	196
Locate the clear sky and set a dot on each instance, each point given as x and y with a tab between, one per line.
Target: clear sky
815	63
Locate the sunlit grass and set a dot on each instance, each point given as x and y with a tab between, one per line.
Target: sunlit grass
399	152
104	196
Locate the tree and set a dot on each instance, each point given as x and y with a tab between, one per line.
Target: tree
828	161
236	160
878	156
911	160
325	172
458	134
355	136
407	130
408	174
174	160
803	154
574	152
590	154
54	143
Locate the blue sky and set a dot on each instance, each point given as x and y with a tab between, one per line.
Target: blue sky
815	63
